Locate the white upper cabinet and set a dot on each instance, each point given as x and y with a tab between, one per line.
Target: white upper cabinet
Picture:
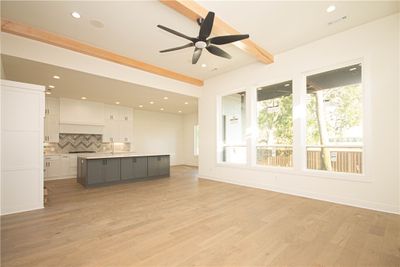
118	113
126	131
118	125
51	120
126	114
81	112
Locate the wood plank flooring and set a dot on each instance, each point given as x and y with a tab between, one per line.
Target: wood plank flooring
183	221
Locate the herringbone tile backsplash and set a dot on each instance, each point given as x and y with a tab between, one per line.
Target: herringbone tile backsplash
83	142
80	142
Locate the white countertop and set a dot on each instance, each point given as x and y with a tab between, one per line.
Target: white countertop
116	155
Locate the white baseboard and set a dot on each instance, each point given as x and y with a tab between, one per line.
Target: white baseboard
59	178
20	209
313	195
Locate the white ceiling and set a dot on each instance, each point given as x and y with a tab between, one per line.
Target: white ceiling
130	29
75	84
130	26
279	26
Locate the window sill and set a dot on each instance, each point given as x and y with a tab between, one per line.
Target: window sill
353	177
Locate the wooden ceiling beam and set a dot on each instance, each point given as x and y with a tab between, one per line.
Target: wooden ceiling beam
193	11
60	41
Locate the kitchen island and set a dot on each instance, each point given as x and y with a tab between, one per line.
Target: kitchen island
100	169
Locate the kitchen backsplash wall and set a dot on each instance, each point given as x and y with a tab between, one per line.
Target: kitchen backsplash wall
83	142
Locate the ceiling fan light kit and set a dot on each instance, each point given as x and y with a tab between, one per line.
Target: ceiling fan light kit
202	42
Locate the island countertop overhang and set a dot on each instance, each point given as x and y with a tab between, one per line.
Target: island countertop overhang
118	155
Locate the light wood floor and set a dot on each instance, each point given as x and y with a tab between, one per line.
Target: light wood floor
182	221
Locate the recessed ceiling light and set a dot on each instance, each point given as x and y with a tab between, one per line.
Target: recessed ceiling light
186	103
287	84
52	86
117	103
259	89
180	111
161	109
83	97
151	102
56	77
166	97
331	8
203	65
76	15
140	106
48	93
352	69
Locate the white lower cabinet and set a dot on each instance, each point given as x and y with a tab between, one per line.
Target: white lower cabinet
51	166
60	166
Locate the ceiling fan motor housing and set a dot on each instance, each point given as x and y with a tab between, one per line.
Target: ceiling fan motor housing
200	44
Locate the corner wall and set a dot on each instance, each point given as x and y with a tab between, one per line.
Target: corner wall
377	44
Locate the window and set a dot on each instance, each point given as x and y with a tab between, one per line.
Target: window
274	121
334	128
196	140
233	126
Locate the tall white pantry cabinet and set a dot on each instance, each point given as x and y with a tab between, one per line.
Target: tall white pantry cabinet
22	131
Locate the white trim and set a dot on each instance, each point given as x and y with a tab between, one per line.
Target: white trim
60	178
365	110
219	122
312	195
19	210
254	102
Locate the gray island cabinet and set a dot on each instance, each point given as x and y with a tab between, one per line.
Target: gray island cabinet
103	169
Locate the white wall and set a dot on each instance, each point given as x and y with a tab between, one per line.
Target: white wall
189	121
156	132
377	44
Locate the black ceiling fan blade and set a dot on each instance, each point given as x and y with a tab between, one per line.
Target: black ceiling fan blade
206	26
218	51
196	55
220	40
177	48
176	33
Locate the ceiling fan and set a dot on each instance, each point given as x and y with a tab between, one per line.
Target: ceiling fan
201	41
